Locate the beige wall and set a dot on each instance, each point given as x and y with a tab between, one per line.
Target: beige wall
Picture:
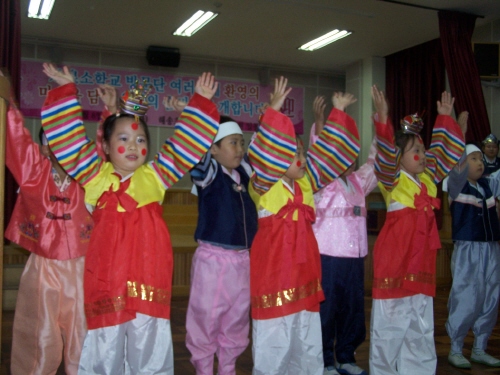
314	83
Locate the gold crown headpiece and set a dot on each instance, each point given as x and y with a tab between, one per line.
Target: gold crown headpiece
412	124
135	101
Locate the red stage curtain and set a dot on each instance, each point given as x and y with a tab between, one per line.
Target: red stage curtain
10	58
415	79
455	32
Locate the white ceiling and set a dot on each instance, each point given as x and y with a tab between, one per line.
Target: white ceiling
263	32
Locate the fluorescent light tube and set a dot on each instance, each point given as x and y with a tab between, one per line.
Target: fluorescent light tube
195	23
324	40
40	9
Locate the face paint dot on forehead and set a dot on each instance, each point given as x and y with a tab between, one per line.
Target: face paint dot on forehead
121	149
135	126
416	158
144	152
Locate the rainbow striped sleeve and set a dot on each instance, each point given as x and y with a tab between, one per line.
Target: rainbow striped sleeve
272	151
447	146
387	159
193	136
63	126
336	148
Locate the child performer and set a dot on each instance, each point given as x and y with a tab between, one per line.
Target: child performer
51	221
340	229
404	257
285	270
490	155
128	270
218	315
475	263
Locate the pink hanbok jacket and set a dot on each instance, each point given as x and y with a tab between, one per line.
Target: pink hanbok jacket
340	226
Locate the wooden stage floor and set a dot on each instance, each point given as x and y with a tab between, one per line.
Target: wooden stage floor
244	364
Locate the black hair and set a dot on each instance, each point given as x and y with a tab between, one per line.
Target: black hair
40	135
108	127
222	120
404	139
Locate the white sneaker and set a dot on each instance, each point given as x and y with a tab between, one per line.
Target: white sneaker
480	356
330	370
458	360
350	369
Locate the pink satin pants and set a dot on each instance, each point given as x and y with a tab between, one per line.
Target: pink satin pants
49	321
218	316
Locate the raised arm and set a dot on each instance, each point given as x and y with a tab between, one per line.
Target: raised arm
274	147
387	159
447	143
22	154
337	146
63	126
193	134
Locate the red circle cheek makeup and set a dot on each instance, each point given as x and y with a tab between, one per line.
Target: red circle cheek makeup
416	158
121	149
144	152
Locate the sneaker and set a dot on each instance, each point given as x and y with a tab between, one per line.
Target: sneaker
330	370
350	369
480	356
458	360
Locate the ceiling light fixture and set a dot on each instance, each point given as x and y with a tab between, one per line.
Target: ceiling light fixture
323	40
40	9
196	22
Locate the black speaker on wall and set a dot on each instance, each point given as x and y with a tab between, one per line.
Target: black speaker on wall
163	56
487	60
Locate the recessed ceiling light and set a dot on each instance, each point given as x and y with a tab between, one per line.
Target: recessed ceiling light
323	40
40	9
196	22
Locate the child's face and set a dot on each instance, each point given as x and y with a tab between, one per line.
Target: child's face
230	151
298	167
490	150
476	166
413	159
127	146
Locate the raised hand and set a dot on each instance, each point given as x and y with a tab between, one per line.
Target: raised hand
107	93
380	104
341	100
445	106
61	77
280	93
206	85
319	106
171	102
463	117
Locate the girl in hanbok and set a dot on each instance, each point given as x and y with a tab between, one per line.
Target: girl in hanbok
128	270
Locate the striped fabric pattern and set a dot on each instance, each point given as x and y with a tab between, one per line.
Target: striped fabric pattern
63	126
336	148
192	138
193	135
272	150
387	159
447	146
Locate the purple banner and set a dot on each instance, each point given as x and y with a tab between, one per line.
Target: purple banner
238	99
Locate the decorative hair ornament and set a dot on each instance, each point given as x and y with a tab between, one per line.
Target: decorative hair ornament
490	139
134	101
412	124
